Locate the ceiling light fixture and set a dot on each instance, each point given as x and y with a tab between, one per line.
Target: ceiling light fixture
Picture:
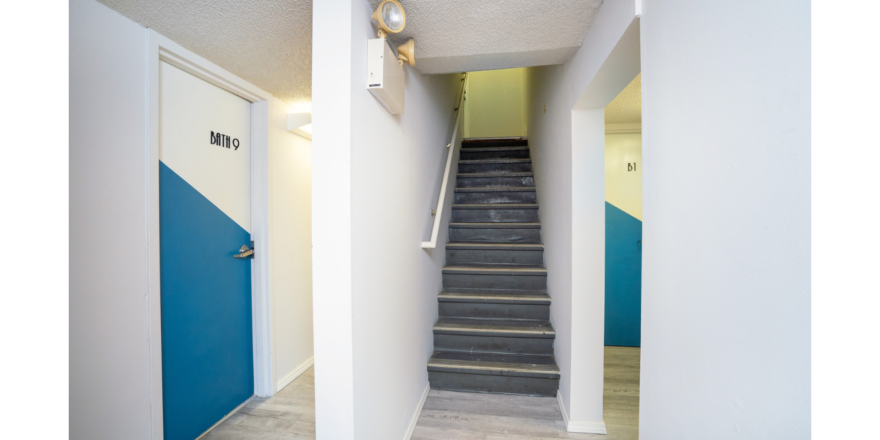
390	16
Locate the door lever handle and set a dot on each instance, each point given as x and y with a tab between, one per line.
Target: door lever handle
245	252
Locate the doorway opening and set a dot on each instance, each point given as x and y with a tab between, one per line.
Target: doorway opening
623	259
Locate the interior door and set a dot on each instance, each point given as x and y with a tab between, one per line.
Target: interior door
204	190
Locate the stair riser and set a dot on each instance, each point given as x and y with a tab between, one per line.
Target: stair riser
521	282
496	197
495	143
501	154
504	311
511	257
495	215
492	344
495	167
484	383
501	235
494	182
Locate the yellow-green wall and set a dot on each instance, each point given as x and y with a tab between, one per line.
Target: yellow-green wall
623	172
496	104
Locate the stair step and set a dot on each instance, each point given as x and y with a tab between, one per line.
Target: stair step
495	225
477	142
493	270
497	206
496	189
496	246
490	161
495	180
483	153
512	232
473	310
510	328
494	150
515	254
495	165
495	212
503	194
495	297
483	175
495	364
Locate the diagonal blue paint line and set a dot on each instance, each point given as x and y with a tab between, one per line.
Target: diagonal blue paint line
207	344
623	278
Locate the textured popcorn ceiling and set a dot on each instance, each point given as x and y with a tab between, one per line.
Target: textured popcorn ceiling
468	35
266	42
626	108
269	42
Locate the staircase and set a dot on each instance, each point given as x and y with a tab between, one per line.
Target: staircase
494	334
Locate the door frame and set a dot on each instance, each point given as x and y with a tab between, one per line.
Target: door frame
160	48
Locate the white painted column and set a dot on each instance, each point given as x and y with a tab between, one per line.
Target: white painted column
588	274
331	218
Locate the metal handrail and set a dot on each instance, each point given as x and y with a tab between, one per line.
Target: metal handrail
438	212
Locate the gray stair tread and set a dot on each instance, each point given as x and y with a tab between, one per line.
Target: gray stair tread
495	225
496	138
522	328
494	364
482	161
499	297
497	246
495	270
497	206
496	189
496	149
478	175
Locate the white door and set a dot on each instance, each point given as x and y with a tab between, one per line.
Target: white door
204	202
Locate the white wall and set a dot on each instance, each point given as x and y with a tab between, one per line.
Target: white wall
109	325
726	269
109	334
568	155
376	178
290	235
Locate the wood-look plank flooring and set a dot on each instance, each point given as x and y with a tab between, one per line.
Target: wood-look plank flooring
290	414
472	416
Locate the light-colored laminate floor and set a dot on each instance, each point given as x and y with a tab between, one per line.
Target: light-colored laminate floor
471	416
290	414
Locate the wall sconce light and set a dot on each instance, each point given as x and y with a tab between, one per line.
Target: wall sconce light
300	124
390	16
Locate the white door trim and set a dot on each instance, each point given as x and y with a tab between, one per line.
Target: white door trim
159	48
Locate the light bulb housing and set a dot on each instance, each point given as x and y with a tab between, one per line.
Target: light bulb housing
380	17
406	52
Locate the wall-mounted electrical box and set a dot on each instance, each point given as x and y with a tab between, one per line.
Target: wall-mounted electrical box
385	76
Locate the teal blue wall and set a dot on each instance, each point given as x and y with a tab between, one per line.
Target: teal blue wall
623	278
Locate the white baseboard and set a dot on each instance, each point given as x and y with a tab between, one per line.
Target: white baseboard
417	413
227	416
286	380
579	426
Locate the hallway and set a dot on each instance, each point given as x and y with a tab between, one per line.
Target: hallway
290	414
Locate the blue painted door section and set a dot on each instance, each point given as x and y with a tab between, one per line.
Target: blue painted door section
207	343
623	278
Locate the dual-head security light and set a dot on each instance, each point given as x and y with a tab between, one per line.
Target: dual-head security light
392	19
385	76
